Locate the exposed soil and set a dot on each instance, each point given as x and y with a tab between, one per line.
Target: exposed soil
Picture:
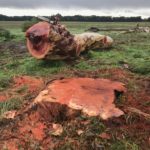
33	84
31	130
21	87
3	98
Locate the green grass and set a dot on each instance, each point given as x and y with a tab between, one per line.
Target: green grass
14	27
11	104
79	27
124	145
31	66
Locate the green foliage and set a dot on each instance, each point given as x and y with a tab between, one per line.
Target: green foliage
5	35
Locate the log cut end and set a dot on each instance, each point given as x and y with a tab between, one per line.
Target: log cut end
37	39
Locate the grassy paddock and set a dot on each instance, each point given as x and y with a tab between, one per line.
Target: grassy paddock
77	27
130	51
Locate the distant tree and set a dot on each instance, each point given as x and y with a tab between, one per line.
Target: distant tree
92	18
148	19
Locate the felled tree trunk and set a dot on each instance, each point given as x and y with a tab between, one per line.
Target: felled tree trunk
54	41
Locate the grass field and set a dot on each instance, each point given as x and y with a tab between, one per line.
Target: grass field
130	52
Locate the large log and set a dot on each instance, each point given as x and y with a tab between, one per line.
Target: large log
54	41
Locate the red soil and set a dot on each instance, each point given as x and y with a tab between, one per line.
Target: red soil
36	130
11	145
3	98
33	84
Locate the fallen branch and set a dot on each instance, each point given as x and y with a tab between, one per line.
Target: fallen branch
95	29
43	18
138	112
126	30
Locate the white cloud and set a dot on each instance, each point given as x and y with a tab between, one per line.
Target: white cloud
88	4
72	7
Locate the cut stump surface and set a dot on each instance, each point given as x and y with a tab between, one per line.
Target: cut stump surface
94	97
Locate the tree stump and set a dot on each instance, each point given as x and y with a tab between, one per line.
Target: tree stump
93	97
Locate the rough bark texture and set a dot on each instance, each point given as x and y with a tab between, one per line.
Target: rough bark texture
54	41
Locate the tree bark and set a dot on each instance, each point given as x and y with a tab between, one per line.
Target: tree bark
53	41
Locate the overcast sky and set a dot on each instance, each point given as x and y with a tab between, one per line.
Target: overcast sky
73	7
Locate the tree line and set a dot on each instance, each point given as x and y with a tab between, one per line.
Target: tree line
92	18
